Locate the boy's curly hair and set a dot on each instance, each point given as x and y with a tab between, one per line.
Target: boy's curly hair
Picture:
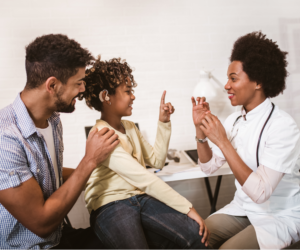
54	55
262	61
105	75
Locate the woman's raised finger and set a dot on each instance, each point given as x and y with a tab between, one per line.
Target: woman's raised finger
193	101
206	105
202	100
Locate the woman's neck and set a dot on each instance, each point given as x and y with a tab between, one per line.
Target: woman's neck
114	121
257	100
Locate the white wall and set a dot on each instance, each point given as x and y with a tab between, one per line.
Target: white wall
166	41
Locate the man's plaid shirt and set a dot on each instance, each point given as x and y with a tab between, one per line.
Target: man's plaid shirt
24	155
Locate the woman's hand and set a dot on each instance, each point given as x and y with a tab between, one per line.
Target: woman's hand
165	110
213	129
199	110
203	228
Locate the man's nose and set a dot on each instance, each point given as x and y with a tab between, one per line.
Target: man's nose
82	89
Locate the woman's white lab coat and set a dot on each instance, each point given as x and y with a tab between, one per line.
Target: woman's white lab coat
276	221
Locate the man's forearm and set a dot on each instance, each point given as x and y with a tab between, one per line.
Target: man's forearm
203	149
60	202
27	203
67	173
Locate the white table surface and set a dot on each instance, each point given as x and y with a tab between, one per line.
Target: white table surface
186	169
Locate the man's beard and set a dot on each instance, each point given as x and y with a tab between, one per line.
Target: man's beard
64	107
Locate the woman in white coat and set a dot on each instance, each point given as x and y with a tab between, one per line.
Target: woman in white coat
261	144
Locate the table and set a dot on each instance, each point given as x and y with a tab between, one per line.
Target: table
186	169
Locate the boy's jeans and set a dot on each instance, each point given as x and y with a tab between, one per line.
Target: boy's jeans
144	222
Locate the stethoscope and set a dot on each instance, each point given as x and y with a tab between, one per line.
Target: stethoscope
261	132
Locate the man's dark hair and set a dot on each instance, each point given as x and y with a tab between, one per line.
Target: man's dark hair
262	61
54	55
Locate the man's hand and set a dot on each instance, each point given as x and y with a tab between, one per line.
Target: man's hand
199	110
214	130
99	145
203	228
165	110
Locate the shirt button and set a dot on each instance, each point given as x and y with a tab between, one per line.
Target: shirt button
12	173
38	170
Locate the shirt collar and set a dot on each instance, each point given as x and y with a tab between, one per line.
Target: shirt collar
261	108
110	127
24	121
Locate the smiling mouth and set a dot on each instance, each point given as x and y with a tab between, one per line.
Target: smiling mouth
230	96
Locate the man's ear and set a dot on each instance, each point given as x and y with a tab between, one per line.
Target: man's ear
52	84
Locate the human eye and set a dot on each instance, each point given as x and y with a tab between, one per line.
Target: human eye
130	91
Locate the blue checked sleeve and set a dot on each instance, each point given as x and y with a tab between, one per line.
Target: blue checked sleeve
13	163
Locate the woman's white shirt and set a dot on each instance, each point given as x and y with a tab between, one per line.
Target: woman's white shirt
260	184
270	197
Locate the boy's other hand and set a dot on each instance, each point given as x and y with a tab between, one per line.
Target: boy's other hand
203	231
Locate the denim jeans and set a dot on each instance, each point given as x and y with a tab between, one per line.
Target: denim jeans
144	222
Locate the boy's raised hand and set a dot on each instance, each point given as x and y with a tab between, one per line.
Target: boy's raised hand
165	110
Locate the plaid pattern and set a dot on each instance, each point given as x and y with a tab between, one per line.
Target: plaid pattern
24	154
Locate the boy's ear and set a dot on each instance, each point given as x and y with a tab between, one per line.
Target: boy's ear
51	84
103	95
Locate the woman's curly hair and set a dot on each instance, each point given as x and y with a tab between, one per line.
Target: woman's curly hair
262	61
105	75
